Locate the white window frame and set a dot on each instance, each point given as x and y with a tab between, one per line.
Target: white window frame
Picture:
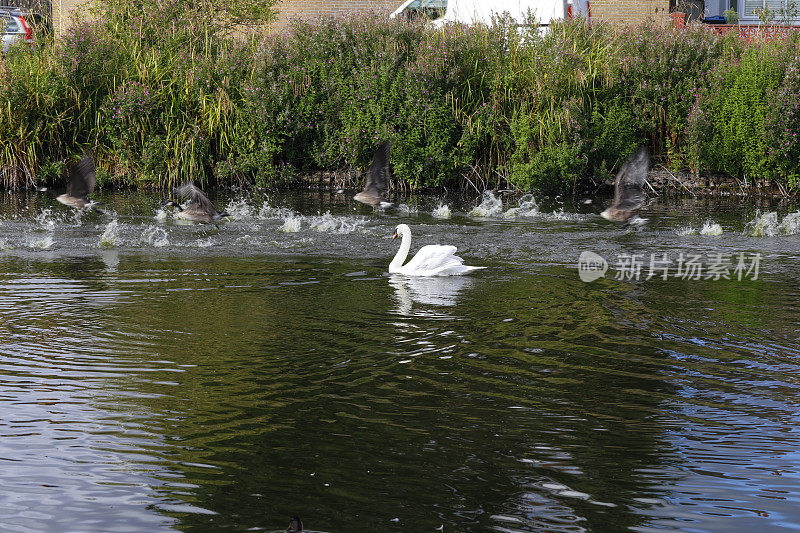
753	18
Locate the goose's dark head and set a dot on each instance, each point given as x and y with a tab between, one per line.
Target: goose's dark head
295	524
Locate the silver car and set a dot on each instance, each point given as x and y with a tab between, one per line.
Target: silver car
17	26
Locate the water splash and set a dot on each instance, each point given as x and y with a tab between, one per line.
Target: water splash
490	206
4	245
406	209
162	215
203	243
711	228
154	236
267	211
563	215
765	225
109	236
77	215
47	219
526	207
790	225
41	244
291	224
239	209
442	211
686	230
336	224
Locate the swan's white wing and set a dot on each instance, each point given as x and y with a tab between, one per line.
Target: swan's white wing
456	269
431	258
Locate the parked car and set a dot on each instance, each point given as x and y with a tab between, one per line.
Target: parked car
482	11
431	9
16	26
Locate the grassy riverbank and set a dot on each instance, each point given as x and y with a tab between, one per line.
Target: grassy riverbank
161	99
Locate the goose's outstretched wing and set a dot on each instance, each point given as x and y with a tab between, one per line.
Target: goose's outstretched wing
378	174
629	184
196	199
82	178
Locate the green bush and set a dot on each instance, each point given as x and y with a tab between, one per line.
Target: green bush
729	122
162	92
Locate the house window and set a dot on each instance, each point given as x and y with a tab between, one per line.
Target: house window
780	8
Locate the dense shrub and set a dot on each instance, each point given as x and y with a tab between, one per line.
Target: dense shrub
743	120
163	93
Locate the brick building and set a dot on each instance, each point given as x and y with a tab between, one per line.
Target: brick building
62	10
630	11
307	9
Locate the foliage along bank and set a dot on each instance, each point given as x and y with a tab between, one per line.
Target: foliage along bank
165	96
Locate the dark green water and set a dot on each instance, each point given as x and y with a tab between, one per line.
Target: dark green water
158	376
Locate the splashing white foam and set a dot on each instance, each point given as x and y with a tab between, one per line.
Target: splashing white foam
291	224
109	236
335	224
239	209
203	243
490	206
41	244
406	209
711	228
765	225
77	215
563	215
46	219
154	236
686	230
162	215
441	211
526	207
267	211
790	225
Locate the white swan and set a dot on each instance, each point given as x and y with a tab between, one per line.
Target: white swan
431	260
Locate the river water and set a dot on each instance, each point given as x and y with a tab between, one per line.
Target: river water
159	376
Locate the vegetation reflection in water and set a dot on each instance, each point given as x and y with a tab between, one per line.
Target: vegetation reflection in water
197	389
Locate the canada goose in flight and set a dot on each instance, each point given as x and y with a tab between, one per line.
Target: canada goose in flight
629	189
198	208
377	179
81	184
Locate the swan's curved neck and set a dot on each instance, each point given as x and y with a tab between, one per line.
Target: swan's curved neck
402	253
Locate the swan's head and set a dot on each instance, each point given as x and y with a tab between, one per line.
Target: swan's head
401	230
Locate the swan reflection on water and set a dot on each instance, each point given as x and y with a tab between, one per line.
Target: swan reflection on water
427	290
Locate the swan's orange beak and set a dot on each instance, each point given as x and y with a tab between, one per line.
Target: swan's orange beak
394	236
